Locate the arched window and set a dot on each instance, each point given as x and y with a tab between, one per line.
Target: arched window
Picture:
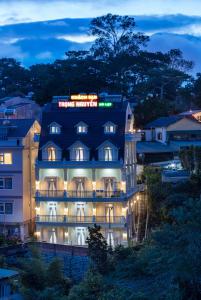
79	154
108	154
51	153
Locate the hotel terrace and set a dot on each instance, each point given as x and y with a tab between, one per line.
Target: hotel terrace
86	169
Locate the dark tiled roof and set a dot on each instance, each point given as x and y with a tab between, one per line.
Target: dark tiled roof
17	127
94	118
164	121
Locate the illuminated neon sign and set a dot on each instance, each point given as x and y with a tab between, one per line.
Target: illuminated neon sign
84	97
83	100
66	104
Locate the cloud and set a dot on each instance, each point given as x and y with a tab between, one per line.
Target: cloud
16	11
84	38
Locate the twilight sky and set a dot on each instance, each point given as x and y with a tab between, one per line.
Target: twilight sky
16	11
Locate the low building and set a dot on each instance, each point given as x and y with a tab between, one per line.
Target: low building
86	169
165	137
18	151
19	108
7	278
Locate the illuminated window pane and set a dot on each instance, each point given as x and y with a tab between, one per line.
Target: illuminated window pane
5	158
54	129
79	154
109	129
108	154
81	129
51	154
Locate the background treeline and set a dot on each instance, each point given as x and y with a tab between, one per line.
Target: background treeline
117	62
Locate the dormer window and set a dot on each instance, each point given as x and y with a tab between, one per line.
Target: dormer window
51	153
108	154
79	152
81	128
109	128
55	128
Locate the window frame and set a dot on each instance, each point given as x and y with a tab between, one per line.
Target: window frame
50	150
3	158
5	185
5	210
109	152
110	128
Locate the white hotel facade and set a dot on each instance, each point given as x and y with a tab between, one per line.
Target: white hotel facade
86	172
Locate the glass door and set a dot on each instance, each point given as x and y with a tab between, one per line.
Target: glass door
80	212
81	236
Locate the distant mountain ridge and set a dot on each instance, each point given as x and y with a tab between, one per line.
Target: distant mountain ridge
43	42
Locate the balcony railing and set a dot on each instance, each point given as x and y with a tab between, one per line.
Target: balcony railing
81	194
81	219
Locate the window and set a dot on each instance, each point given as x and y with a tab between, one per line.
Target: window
55	128
6	208
81	129
109	128
108	154
5	158
79	154
159	136
5	183
51	153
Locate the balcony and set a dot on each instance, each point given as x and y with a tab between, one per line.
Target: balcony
88	196
60	220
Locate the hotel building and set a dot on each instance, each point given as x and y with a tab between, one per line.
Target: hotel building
86	169
18	151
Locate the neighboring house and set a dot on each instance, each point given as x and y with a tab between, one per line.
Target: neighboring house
85	173
19	108
7	278
18	151
164	137
192	113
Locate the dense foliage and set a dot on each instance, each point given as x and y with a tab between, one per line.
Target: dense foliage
117	62
168	265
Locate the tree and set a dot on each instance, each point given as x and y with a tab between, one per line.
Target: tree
115	36
91	287
98	250
43	281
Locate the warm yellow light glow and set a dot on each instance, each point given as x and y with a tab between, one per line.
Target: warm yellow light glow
81	97
37	234
94	185
123	186
66	210
94	211
37	208
124	236
138	197
6	158
124	211
66	234
65	185
37	185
